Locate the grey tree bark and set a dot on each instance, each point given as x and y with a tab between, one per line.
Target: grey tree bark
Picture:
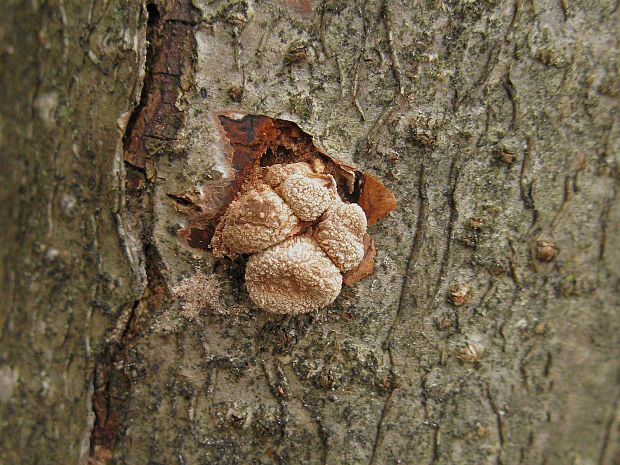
489	332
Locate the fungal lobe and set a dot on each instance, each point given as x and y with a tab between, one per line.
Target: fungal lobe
366	266
341	234
295	274
308	195
256	220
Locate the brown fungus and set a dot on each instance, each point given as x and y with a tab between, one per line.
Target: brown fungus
308	196
303	273
299	214
292	277
257	220
275	175
341	234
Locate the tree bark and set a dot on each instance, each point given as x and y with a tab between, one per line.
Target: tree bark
490	329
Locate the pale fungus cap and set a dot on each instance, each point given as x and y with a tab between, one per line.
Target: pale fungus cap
275	175
341	234
308	196
257	220
295	276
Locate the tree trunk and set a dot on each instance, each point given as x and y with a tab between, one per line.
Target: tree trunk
489	332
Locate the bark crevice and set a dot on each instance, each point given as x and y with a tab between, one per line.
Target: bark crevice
169	33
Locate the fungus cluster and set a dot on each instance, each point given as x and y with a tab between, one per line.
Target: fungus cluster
300	235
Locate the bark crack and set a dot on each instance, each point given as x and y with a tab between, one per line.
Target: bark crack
499	418
524	185
155	116
379	435
414	249
612	422
386	15
453	176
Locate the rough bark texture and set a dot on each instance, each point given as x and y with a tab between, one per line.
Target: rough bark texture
495	124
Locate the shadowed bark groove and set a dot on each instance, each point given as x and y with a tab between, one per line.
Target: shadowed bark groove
414	249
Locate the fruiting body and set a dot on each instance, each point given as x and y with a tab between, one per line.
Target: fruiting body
308	196
300	236
257	220
276	174
295	276
341	235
